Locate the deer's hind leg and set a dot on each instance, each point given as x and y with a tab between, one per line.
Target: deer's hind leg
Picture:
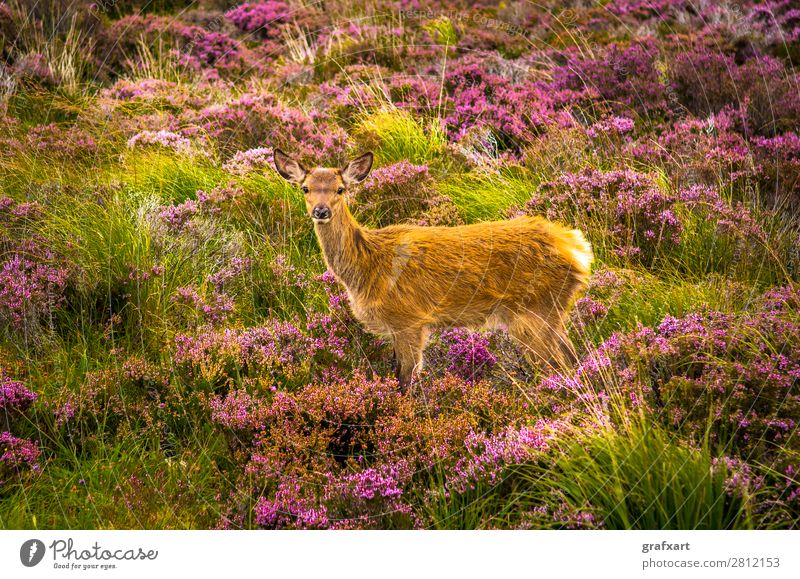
544	340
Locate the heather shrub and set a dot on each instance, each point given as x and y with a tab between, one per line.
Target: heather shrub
17	456
253	120
778	25
465	354
394	193
323	455
727	379
626	77
627	206
136	44
32	277
701	151
14	395
15	400
124	7
613	292
262	20
8	30
706	82
646	9
481	97
778	164
640	220
279	350
420	94
69	144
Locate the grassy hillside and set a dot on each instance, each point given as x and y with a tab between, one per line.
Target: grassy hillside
173	353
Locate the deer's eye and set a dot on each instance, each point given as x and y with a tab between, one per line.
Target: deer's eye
340	190
305	189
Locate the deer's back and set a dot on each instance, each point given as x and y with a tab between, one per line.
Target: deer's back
463	275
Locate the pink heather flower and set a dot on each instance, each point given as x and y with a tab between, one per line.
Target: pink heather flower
624	76
642	9
591	309
291	508
374	482
287	274
64	413
244	162
215	309
263	18
14	395
212	202
236	268
277	345
785	146
16	455
396	175
163	138
238	410
177	217
66	142
487	455
35	66
29	289
740	480
571	518
468	353
610	126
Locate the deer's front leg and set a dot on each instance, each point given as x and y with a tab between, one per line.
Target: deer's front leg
408	346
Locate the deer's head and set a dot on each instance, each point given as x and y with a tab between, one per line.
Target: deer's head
323	187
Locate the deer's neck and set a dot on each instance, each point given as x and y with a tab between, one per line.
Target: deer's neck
347	250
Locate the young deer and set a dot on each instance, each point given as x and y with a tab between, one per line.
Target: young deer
403	281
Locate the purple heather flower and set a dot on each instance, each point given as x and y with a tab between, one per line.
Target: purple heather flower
468	353
16	455
163	138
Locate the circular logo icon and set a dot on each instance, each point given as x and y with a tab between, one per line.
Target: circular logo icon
31	553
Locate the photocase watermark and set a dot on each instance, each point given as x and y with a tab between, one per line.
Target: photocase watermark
103	5
213	25
66	555
32	552
456	16
8	85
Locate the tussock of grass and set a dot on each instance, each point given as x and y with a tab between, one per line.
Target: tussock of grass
170	177
640	478
395	136
483	196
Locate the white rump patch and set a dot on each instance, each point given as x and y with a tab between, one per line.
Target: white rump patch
582	250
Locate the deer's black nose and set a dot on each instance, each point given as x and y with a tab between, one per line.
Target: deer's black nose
321	212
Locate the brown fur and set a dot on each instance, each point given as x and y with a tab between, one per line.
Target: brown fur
404	281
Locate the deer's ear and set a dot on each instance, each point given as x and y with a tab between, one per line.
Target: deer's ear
288	168
357	169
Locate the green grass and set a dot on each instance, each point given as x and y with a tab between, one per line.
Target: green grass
124	485
488	196
645	298
169	177
638	477
396	136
